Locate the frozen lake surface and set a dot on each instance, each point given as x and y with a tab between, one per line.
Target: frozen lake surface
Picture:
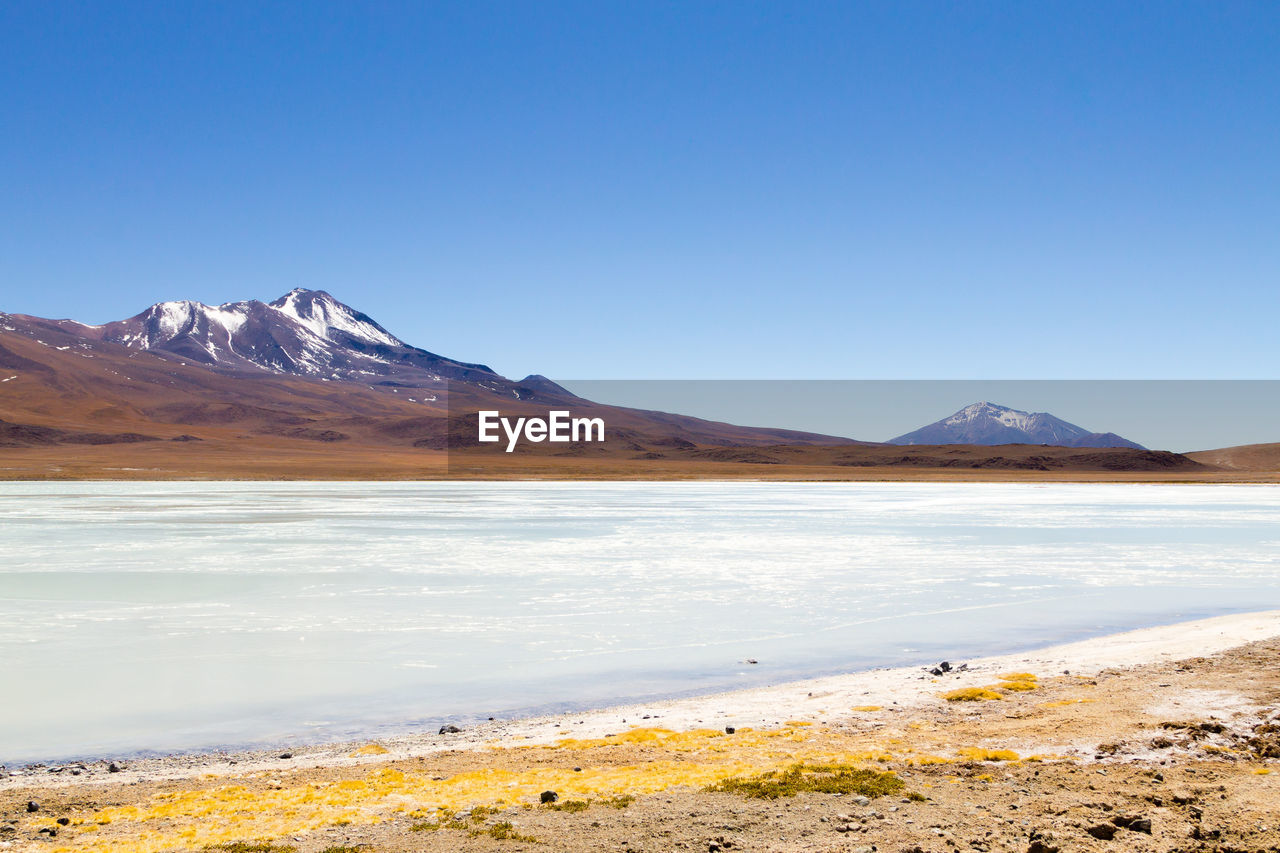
166	616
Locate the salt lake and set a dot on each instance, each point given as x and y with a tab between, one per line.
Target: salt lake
139	617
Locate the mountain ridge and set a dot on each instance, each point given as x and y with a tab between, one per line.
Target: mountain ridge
187	389
304	367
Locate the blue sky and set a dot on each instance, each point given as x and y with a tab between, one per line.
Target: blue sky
668	190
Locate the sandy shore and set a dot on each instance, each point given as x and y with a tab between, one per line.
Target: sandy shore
1189	698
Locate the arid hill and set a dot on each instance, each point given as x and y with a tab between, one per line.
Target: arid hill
1246	457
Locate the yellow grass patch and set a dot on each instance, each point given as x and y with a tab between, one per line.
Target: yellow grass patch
923	760
977	753
204	817
715	740
1010	682
1016	686
370	749
200	818
1065	703
971	694
1016	682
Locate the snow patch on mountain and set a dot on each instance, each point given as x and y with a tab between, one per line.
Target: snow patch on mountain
229	320
1009	417
324	315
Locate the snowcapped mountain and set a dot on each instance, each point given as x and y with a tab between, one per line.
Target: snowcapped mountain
303	333
989	424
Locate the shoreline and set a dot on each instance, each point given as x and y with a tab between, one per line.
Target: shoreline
1159	740
901	690
286	461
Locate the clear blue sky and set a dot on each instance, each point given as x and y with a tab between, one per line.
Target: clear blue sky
666	190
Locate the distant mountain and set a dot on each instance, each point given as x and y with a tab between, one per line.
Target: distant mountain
988	424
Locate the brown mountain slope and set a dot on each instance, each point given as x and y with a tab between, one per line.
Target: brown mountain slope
54	379
61	381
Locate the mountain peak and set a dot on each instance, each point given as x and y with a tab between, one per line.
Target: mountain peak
538	382
330	319
165	321
987	423
1015	418
987	406
982	407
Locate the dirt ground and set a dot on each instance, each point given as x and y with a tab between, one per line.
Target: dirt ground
1163	757
265	458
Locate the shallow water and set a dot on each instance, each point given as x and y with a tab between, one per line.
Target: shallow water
166	616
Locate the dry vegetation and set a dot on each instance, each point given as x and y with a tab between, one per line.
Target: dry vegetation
1175	757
